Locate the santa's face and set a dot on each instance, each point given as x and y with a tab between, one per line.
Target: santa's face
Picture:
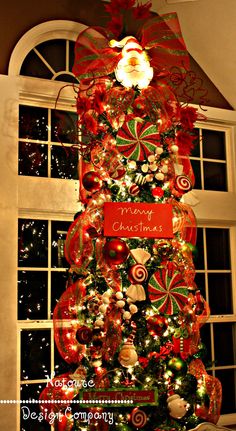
134	67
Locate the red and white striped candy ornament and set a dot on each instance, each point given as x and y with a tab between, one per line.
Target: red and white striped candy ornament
137	273
138	418
134	190
183	184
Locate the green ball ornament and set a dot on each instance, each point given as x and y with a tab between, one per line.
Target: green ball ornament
177	366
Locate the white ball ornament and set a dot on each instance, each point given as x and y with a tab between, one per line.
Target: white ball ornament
119	295
126	315
103	308
177	406
174	148
99	323
145	168
151	158
133	308
120	304
159	151
160	176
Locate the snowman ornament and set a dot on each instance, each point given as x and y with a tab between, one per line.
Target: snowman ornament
177	406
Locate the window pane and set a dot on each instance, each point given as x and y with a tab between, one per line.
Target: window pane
206	348
54	52
64	127
33	159
213	144
58	286
59	232
71	54
33	123
196	150
32	392
33	66
64	162
61	366
32	243
66	77
220	293
200	282
197	173
35	354
228	381
32	295
199	252
224	340
215	176
218	249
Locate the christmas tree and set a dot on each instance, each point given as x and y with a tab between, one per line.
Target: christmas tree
129	320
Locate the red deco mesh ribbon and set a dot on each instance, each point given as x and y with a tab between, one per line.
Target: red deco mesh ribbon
60	389
213	390
161	36
79	244
184	222
108	271
113	331
66	323
93	56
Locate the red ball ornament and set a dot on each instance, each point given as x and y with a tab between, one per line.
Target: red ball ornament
156	325
157	192
91	181
84	335
115	251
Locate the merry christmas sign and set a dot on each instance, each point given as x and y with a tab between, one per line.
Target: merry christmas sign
126	219
120	396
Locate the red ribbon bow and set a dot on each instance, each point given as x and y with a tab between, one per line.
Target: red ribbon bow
160	36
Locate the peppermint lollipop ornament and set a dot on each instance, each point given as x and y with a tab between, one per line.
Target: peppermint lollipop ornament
167	290
183	184
136	140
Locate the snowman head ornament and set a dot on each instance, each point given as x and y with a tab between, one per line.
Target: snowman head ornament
177	406
133	69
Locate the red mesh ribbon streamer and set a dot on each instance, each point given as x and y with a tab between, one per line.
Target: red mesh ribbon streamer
163	39
66	323
93	56
58	389
213	389
113	332
108	271
79	244
184	221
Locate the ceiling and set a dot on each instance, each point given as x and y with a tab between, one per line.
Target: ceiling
209	31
